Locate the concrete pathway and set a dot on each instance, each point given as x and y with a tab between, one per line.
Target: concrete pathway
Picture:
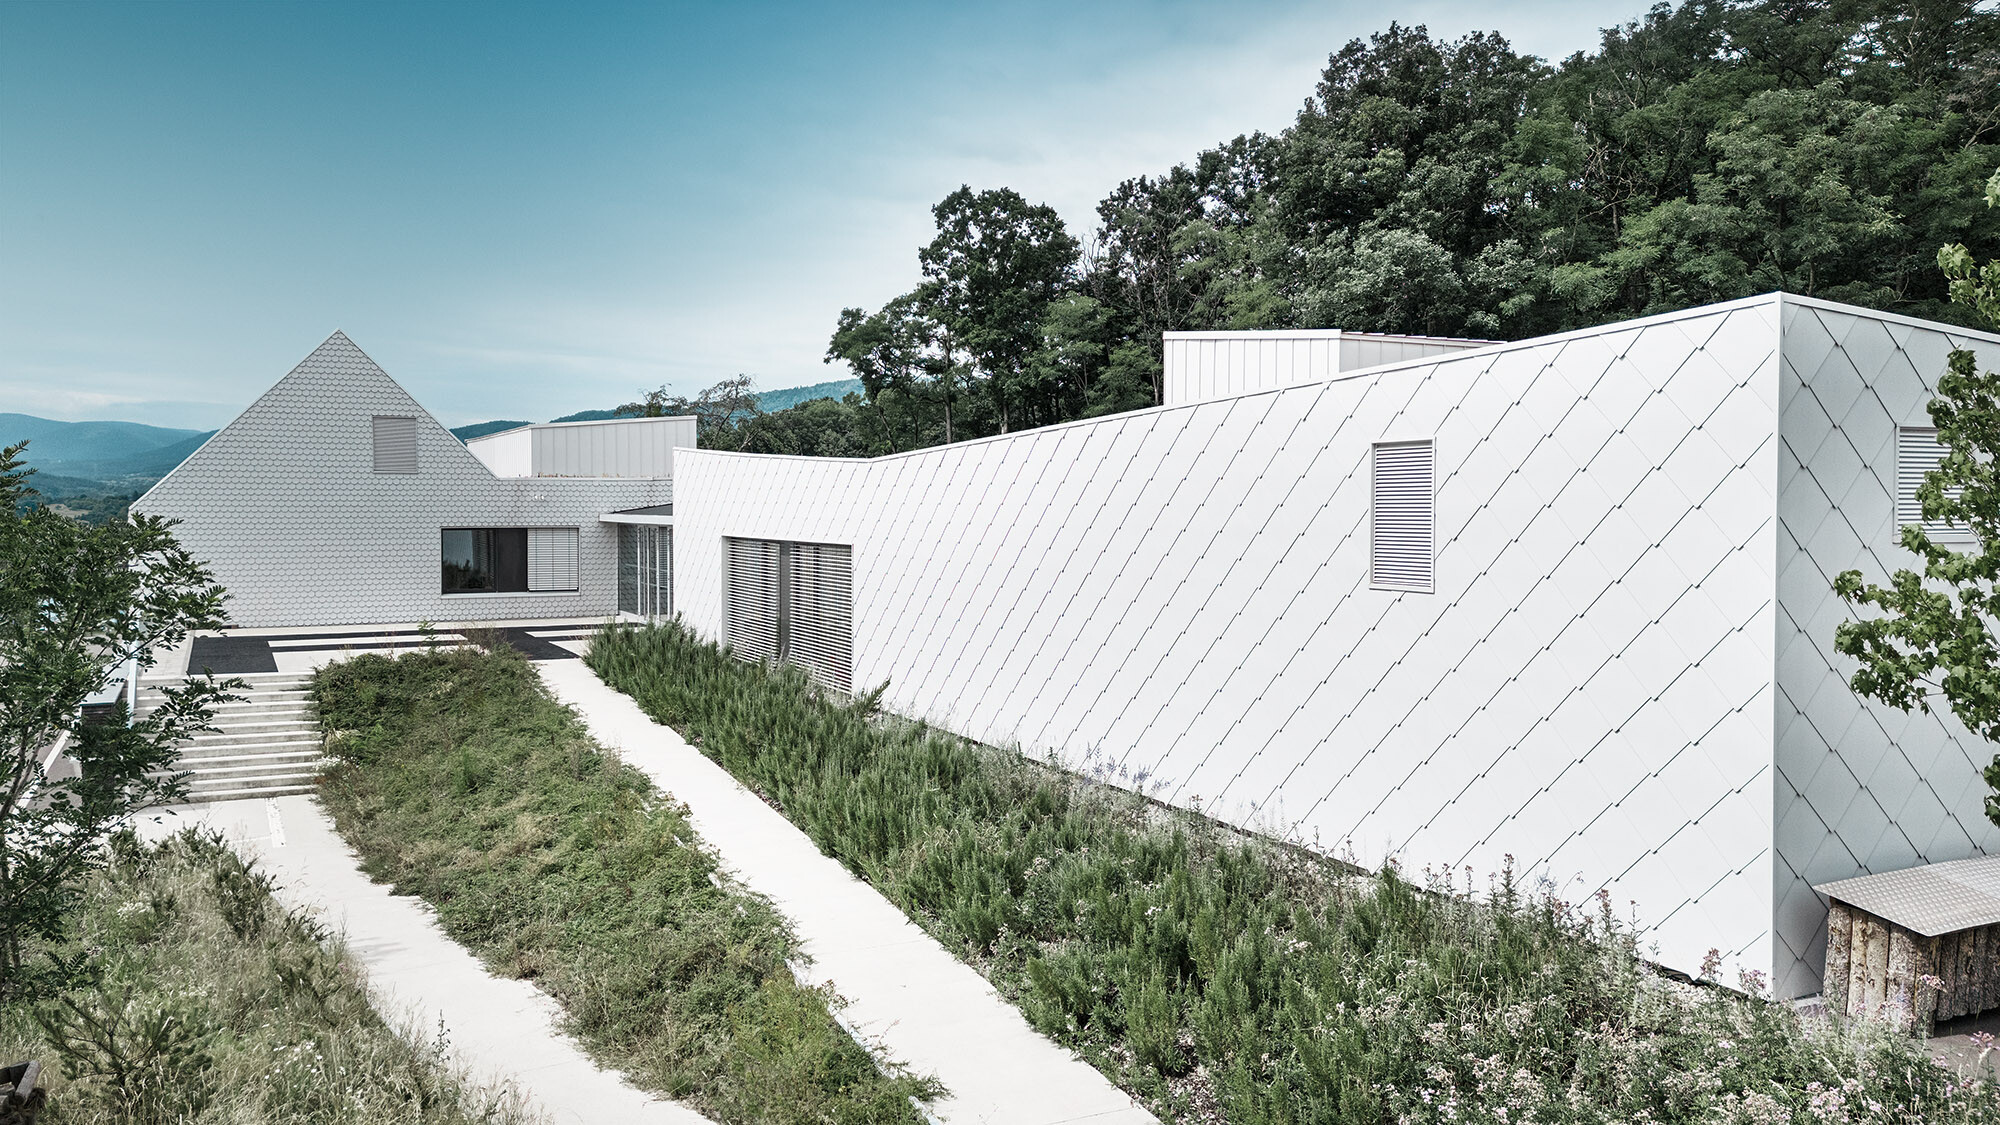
502	1031
926	1007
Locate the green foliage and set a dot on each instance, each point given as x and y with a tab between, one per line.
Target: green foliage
184	993
1935	637
1704	151
461	780
76	603
1222	976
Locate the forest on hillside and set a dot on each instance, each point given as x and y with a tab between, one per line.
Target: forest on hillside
1704	151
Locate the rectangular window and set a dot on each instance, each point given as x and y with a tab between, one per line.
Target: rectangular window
646	570
552	558
793	602
395	444
750	597
485	560
1403	517
1918	451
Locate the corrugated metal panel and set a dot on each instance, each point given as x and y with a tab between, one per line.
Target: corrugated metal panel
395	444
819	615
552	558
750	597
630	447
1403	516
1918	451
508	454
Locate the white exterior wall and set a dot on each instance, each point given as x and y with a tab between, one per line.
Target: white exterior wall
510	453
1200	366
285	505
1177	599
641	448
1860	788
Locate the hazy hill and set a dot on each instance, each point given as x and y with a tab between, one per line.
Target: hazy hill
87	441
72	458
481	429
783	398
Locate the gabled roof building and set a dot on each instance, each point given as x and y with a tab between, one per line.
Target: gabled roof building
335	499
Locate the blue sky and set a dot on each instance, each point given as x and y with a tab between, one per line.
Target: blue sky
521	210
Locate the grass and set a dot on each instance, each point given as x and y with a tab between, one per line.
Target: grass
460	779
1219	976
184	993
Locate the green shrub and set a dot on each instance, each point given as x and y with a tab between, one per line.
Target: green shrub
184	993
1217	974
460	779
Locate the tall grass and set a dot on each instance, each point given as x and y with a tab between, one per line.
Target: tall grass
1223	977
462	780
184	993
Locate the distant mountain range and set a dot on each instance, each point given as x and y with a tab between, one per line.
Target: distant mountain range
99	458
75	458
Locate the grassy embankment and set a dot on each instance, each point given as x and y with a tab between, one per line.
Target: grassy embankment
1224	977
184	993
462	780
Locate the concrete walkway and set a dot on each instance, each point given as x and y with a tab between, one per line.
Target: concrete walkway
502	1031
929	1009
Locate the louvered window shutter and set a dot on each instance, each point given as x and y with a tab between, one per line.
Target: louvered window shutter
819	619
750	597
395	444
552	558
1918	451
1403	528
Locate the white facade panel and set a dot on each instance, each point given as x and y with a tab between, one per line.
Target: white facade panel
284	504
1179	600
1860	788
635	448
509	453
1199	366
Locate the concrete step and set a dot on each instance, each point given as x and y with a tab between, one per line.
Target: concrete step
203	770
250	787
209	795
245	698
263	737
251	745
278	725
207	758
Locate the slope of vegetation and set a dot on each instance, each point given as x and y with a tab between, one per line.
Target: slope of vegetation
184	993
460	779
1221	976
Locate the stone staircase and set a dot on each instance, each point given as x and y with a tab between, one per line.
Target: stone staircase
267	745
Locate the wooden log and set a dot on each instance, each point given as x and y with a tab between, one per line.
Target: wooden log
1839	944
1947	972
1875	995
1927	996
1980	995
1961	974
1857	966
1899	1005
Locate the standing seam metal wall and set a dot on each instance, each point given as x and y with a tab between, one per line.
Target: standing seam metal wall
1177	600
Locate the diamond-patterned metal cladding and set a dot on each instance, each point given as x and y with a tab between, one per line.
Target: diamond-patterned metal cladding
1177	600
285	505
1860	788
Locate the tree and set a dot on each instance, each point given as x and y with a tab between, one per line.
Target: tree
1936	635
76	604
995	265
716	410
